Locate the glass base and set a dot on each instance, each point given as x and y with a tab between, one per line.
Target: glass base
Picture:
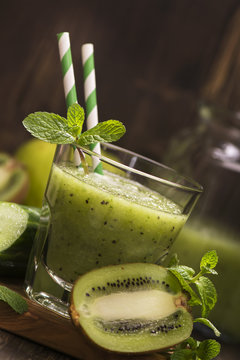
54	297
49	302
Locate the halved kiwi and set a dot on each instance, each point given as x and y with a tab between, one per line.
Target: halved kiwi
14	180
132	308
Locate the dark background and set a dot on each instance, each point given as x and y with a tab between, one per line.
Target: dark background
155	60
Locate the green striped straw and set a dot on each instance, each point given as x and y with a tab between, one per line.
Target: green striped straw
91	99
68	76
67	68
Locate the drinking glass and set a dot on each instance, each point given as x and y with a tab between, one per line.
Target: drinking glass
130	213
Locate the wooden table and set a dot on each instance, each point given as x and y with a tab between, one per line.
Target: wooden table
13	347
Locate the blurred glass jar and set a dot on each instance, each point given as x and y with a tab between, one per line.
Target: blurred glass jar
210	153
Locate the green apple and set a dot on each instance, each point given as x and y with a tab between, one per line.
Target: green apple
37	157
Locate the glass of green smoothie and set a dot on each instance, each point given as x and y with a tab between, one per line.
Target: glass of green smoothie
131	213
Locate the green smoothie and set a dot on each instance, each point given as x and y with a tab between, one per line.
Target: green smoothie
199	237
98	220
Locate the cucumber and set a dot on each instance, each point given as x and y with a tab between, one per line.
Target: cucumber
18	226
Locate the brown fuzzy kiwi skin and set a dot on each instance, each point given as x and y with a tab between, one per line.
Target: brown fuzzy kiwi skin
74	315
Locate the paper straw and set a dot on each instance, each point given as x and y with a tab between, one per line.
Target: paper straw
91	99
68	76
67	68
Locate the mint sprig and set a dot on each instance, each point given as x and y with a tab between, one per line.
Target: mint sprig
192	349
207	295
13	299
56	129
106	131
49	127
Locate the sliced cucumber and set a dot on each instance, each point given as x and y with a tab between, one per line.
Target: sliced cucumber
18	225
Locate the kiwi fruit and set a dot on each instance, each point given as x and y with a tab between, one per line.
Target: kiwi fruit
131	308
14	182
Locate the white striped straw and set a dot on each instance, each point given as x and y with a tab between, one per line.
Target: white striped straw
68	76
67	68
91	98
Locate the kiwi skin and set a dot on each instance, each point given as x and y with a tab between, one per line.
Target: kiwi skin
181	302
74	314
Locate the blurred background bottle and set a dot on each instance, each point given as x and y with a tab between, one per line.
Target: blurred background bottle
210	153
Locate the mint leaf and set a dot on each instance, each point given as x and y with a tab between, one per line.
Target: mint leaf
106	131
209	324
208	294
209	260
194	299
182	354
186	272
208	349
13	299
207	270
49	127
191	342
75	118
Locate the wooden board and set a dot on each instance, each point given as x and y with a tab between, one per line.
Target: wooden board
47	328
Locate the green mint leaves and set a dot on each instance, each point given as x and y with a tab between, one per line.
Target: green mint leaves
58	130
192	349
13	299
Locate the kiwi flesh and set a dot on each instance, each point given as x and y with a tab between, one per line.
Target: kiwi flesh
132	308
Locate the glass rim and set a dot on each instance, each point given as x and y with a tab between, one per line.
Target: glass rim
194	187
